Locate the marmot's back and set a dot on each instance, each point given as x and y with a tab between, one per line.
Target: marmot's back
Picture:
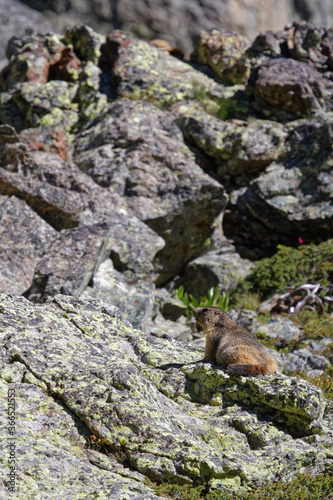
231	345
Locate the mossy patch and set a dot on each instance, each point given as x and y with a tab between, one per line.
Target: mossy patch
302	487
290	267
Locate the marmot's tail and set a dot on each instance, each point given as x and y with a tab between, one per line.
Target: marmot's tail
247	370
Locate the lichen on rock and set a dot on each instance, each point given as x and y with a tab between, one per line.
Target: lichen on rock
154	403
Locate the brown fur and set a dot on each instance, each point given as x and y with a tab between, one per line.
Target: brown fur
231	345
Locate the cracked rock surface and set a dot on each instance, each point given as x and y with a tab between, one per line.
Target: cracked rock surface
152	403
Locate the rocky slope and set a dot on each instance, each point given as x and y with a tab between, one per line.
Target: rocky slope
118	164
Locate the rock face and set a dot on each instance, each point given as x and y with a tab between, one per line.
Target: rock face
75	365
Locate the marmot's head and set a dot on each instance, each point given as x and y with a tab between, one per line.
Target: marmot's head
210	316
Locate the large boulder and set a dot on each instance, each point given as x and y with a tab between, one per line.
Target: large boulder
286	89
138	151
150	404
291	198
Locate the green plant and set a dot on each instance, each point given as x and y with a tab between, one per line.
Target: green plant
301	487
290	267
214	298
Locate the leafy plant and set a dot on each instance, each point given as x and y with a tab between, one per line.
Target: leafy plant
214	298
290	267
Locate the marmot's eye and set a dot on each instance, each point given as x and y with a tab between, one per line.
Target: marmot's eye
204	310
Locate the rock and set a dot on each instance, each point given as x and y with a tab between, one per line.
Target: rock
270	43
319	345
35	104
224	270
24	238
267	305
151	168
283	203
39	59
285	89
244	318
66	198
49	138
59	206
134	298
173	309
160	19
167	329
301	41
150	402
237	150
305	44
305	360
86	43
283	331
95	90
143	72
224	52
56	461
73	259
318	362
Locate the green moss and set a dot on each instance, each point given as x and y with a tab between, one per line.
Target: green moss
302	487
314	325
290	267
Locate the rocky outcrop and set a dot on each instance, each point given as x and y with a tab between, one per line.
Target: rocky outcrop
94	389
118	148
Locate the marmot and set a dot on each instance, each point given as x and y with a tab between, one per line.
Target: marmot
166	47
231	345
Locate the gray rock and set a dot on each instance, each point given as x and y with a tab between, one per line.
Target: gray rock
50	442
293	363
237	148
244	318
73	259
165	328
304	360
212	269
66	197
133	298
173	308
24	238
160	19
320	345
19	20
149	165
318	362
143	398
224	52
156	76
283	204
285	89
283	331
